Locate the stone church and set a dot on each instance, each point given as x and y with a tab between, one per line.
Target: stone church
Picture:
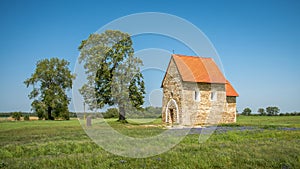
195	92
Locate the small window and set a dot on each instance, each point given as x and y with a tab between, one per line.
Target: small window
197	96
213	96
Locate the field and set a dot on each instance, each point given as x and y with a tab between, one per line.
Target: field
253	142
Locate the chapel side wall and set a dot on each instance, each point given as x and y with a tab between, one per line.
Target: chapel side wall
171	84
204	111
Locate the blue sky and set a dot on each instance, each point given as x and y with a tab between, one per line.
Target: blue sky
258	42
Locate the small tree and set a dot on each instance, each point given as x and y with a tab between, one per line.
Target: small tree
17	115
272	111
261	111
27	117
247	111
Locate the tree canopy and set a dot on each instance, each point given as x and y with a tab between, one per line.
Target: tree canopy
50	81
113	73
247	111
261	111
271	111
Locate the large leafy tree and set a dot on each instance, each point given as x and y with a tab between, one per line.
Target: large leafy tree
50	81
113	73
272	111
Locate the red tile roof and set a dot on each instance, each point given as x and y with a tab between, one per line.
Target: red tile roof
200	69
230	90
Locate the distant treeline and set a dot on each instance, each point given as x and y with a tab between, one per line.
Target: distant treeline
280	114
147	112
269	111
23	114
9	114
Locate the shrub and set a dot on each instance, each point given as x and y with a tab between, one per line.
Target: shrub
17	115
65	115
26	117
147	112
111	113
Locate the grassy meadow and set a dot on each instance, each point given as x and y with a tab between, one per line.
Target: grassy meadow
272	142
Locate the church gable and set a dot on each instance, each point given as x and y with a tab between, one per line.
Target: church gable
172	85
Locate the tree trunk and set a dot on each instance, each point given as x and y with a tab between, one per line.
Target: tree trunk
49	113
121	113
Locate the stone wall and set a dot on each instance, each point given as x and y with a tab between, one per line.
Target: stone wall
229	115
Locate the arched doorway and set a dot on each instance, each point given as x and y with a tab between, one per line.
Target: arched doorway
172	115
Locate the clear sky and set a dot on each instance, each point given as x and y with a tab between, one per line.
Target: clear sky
258	42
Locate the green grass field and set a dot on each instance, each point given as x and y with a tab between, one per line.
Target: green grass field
269	121
64	144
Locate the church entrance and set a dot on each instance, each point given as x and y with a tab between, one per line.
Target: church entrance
172	112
